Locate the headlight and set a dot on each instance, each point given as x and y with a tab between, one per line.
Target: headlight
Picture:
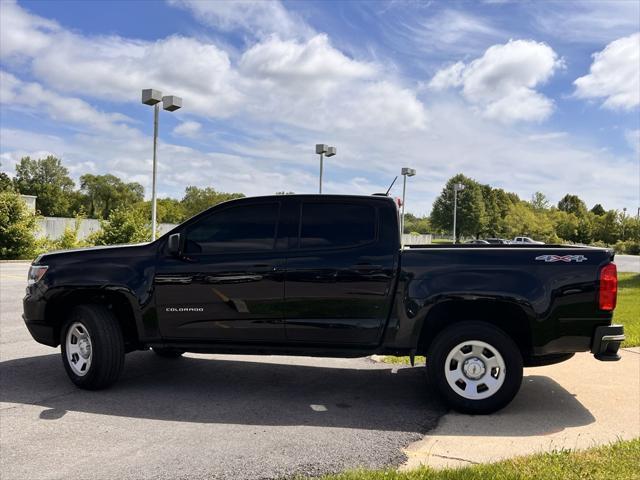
36	272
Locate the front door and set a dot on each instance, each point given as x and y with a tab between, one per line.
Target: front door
229	283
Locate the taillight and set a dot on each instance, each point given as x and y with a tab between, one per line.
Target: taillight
36	272
608	287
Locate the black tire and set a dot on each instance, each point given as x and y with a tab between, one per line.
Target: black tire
107	346
446	342
167	352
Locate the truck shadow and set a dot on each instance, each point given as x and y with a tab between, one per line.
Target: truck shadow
206	390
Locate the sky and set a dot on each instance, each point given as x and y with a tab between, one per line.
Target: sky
522	95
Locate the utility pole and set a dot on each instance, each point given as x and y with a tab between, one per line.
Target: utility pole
457	187
322	150
406	172
170	103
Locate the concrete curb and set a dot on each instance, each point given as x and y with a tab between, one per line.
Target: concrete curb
577	404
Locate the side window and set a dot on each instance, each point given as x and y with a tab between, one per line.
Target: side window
326	225
241	228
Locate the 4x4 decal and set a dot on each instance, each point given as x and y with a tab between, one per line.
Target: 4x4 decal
562	258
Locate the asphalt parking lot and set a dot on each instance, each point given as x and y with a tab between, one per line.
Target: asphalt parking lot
202	416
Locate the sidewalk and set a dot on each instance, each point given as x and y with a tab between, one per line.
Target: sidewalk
573	405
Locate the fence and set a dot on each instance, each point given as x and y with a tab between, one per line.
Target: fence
53	227
420	239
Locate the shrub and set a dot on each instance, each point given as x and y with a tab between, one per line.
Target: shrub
629	247
17	228
69	238
124	225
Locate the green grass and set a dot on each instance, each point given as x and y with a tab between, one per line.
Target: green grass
628	309
402	360
620	461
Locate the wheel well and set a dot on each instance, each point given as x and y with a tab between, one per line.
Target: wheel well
59	307
508	317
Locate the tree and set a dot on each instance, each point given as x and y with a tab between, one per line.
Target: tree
539	201
572	204
523	220
607	228
196	199
169	210
17	227
104	193
5	182
497	203
598	209
47	179
471	211
413	224
124	225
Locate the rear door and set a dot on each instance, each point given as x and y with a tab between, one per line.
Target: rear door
340	270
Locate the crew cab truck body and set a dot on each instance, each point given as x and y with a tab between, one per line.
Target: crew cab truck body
326	276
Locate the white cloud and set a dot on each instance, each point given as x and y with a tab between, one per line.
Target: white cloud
585	21
309	65
189	129
442	32
298	82
452	28
15	93
22	33
547	136
614	75
257	17
116	69
502	82
450	76
633	139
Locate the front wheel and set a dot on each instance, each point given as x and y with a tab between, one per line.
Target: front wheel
92	347
476	367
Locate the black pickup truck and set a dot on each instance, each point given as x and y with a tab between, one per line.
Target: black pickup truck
326	275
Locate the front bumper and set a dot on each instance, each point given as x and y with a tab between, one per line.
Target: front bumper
34	308
606	342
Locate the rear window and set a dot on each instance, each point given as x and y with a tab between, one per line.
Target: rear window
332	225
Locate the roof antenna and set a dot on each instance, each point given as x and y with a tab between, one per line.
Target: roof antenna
389	189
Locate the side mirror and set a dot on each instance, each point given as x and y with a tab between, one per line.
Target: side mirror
174	245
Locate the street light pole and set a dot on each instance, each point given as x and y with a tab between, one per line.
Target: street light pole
323	150
170	103
321	163
406	172
457	187
156	111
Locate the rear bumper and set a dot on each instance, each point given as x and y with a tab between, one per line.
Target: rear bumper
606	342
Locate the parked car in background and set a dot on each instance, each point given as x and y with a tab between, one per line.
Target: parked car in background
498	241
477	242
525	240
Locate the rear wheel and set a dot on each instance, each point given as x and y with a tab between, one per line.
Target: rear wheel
476	367
92	347
167	352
